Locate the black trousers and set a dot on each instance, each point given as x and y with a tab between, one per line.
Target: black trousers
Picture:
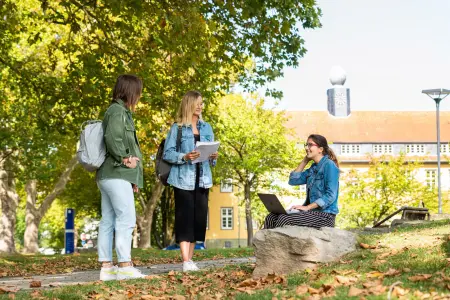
191	210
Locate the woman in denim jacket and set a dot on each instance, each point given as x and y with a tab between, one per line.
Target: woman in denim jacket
322	182
191	182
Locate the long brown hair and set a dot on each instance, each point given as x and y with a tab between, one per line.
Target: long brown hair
187	108
322	142
128	88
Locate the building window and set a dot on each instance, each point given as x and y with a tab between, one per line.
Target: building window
431	178
226	217
445	148
350	149
382	149
415	149
226	186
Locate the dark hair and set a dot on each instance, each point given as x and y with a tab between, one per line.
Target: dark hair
322	142
128	88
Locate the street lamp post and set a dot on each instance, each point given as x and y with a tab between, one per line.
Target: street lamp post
438	95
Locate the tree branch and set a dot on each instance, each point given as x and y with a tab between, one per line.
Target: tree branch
59	187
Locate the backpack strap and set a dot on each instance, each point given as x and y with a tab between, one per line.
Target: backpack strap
179	139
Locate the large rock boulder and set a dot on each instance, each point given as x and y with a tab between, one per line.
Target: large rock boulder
289	249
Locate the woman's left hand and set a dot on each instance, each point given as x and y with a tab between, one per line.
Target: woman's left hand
300	207
214	155
135	188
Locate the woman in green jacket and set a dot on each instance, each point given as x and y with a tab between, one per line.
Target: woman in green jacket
120	175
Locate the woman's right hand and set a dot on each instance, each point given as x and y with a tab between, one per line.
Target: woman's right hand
131	162
306	159
191	155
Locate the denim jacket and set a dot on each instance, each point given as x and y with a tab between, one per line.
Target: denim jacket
322	183
182	174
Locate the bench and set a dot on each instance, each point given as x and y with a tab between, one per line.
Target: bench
409	213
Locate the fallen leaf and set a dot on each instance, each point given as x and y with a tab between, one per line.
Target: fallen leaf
420	277
399	291
375	274
301	289
392	272
150	297
345	280
353	292
8	289
35	284
384	255
313	291
367	246
413	255
328	289
370	284
247	283
377	290
406	270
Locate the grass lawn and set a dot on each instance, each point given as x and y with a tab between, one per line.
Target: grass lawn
410	263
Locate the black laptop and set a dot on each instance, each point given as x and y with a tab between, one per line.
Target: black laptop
272	203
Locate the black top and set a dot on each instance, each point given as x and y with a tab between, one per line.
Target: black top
197	169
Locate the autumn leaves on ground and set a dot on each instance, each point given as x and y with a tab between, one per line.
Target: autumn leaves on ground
409	263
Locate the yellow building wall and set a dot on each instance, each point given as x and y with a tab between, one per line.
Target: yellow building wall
216	237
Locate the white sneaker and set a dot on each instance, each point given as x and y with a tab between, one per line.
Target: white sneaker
129	272
189	266
108	273
195	265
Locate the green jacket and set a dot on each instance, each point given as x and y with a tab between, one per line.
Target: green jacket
121	141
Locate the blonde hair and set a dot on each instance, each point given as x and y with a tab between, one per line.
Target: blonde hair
187	108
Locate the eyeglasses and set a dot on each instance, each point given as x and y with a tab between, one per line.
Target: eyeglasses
309	145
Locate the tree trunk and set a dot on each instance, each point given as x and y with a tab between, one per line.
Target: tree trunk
9	201
248	214
33	215
145	221
135	238
32	219
168	213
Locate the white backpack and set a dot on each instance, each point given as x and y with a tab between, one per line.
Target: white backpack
91	150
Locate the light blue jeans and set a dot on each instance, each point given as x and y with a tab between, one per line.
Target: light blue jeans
119	215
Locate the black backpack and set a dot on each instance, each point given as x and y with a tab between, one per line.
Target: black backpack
162	167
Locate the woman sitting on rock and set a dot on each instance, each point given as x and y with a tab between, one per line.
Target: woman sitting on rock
322	188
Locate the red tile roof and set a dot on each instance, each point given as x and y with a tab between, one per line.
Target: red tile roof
372	126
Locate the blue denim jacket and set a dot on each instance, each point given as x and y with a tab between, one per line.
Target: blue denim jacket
182	174
322	183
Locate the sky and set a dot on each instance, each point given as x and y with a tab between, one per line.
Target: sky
390	50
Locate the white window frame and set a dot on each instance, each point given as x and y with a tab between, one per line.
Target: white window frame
350	149
226	185
414	149
431	178
382	148
445	148
226	214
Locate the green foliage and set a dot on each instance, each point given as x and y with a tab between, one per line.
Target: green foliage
388	184
51	229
